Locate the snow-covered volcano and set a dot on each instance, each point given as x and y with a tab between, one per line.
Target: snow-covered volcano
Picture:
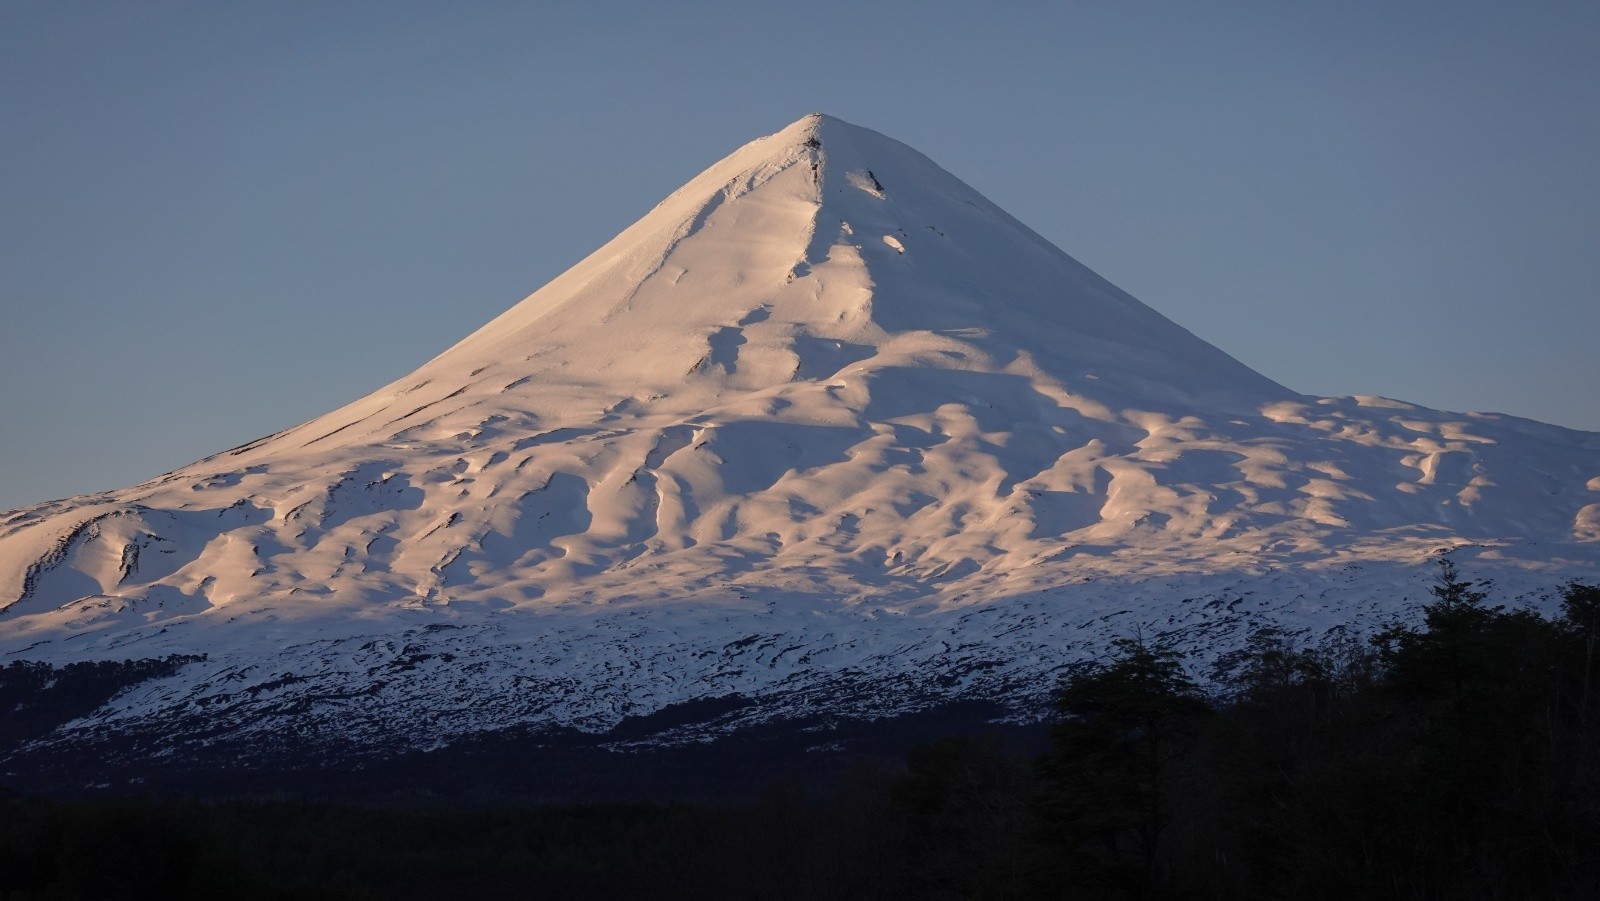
824	414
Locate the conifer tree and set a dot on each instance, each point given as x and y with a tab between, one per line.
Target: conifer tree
1107	779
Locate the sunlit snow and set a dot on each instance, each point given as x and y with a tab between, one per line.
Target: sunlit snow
825	417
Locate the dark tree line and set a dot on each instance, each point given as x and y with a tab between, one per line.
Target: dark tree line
1455	759
37	697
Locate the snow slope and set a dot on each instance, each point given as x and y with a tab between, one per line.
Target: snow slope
824	422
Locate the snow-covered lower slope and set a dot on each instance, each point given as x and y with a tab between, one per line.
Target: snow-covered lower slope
823	424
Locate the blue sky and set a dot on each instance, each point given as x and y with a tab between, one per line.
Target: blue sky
218	220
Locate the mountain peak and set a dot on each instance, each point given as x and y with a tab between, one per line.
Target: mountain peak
825	412
822	300
823	128
818	247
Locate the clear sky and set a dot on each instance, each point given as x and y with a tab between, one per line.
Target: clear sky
220	219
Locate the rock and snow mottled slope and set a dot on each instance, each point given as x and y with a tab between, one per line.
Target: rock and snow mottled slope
824	417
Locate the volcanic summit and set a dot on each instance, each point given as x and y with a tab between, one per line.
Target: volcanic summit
824	429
